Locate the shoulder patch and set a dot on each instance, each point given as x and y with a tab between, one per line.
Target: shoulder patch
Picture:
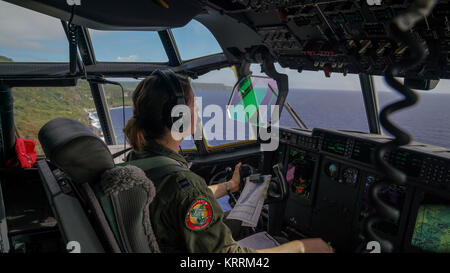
199	215
184	183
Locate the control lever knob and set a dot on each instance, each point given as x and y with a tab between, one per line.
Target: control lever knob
245	171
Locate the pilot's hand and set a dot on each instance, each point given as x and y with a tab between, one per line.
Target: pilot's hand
236	179
315	245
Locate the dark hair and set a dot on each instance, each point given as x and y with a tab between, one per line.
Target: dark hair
150	98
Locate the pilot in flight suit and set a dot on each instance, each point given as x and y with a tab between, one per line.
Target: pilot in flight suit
186	216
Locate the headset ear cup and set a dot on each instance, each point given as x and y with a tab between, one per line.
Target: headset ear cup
174	119
167	118
178	97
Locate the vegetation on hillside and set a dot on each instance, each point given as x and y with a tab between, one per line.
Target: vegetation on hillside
34	106
5	59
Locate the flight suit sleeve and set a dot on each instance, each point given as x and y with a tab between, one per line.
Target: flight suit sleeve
201	221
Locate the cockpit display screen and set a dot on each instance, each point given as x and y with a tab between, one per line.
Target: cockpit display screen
299	174
432	226
334	144
407	161
363	151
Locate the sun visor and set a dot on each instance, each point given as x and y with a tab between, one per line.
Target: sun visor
74	148
118	15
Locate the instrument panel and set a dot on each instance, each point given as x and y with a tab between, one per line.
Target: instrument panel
329	173
343	36
426	165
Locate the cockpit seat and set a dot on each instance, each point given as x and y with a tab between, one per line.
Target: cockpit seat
116	197
129	192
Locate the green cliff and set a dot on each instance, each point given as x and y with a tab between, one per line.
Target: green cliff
34	106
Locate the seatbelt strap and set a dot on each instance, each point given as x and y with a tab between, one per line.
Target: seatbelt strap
158	166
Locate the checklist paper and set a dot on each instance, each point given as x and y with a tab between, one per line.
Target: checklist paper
249	205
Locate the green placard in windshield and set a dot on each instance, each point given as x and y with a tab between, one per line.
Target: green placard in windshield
248	96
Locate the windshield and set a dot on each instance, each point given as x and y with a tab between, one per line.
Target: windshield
427	121
321	102
212	92
35	37
337	103
129	46
251	98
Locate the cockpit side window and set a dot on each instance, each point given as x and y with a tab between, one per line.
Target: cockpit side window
35	37
114	99
427	120
212	92
194	40
321	102
128	46
35	106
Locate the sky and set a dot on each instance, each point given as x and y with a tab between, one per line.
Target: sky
29	36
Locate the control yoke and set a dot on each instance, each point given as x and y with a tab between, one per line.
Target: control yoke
278	189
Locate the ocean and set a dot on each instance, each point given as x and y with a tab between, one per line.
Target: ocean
427	122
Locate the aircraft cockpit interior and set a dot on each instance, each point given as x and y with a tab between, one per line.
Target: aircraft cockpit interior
382	185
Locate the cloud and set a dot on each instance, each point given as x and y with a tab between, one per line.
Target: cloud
26	35
311	80
224	75
317	80
131	58
198	28
27	27
304	80
95	33
7	42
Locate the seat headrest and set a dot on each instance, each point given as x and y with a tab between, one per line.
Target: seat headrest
74	148
131	193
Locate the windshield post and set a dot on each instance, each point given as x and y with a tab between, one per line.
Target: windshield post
292	112
370	103
295	116
281	79
78	61
170	47
7	135
98	93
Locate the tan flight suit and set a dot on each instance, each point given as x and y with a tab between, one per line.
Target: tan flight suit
173	211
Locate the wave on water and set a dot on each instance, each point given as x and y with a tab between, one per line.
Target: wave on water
117	122
93	119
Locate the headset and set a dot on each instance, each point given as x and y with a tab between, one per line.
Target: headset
176	96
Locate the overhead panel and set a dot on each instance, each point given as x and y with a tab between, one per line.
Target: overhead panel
118	15
340	36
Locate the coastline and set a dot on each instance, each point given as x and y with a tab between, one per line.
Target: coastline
94	122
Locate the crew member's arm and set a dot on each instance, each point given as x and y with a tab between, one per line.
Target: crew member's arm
220	190
200	220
